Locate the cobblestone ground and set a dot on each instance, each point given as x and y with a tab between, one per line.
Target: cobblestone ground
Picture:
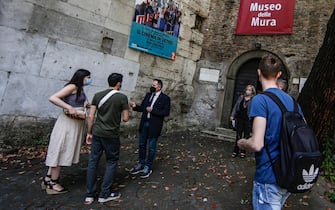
190	172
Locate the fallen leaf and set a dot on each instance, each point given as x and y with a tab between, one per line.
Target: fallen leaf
287	205
225	172
305	203
306	196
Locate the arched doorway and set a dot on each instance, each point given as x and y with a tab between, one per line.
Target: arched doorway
246	75
242	71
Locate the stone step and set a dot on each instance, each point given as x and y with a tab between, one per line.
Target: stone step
217	135
225	131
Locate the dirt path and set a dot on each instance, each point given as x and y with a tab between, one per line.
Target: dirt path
190	172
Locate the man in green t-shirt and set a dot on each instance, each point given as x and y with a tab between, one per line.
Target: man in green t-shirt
103	134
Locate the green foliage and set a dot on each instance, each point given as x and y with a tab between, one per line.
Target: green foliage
331	196
40	142
328	165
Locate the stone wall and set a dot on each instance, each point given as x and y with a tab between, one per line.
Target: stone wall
222	49
42	43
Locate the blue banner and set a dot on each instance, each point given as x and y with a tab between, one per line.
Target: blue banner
153	41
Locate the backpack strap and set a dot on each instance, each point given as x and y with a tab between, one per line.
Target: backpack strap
276	99
282	107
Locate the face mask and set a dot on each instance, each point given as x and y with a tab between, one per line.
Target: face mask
248	92
88	82
152	89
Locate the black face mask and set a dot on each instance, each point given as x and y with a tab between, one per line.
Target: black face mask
152	89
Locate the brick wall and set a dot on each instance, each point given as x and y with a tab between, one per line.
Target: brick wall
222	49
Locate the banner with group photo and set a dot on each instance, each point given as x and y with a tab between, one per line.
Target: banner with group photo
265	17
155	27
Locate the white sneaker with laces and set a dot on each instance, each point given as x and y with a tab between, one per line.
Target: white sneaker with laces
137	169
112	196
146	172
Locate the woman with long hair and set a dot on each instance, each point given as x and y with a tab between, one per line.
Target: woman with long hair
67	134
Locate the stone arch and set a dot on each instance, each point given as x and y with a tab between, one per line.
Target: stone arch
231	78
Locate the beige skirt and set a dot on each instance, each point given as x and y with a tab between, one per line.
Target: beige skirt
65	141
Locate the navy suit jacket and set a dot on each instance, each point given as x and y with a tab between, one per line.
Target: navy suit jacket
160	109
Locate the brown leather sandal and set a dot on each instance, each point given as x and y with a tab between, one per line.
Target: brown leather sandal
55	188
45	182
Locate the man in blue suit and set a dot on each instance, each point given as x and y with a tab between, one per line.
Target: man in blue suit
154	107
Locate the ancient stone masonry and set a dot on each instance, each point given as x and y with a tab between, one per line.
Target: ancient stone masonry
226	51
43	42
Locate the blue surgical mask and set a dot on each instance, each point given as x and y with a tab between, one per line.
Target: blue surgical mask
88	82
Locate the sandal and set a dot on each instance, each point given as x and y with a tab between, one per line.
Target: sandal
234	155
88	200
45	182
55	188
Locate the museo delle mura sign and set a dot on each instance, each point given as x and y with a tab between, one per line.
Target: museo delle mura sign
155	27
265	17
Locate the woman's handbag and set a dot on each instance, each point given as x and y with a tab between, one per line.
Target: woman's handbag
80	115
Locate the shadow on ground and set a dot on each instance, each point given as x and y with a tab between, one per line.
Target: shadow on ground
190	172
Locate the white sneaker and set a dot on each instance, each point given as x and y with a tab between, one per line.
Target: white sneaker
146	172
137	169
112	196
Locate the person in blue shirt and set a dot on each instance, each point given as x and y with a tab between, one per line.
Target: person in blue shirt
267	118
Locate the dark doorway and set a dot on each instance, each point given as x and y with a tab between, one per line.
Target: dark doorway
246	75
242	72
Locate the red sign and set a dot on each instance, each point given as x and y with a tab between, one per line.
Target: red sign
265	17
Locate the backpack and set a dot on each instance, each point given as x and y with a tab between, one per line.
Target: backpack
298	166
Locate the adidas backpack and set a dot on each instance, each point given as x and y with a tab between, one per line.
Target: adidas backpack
298	166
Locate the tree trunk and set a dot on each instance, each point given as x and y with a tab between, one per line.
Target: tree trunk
317	97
